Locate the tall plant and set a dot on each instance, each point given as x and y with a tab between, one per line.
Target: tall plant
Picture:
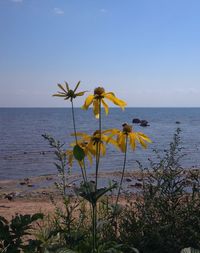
94	145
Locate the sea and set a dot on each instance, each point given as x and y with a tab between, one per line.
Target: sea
25	153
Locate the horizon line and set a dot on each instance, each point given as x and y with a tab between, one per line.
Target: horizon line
79	107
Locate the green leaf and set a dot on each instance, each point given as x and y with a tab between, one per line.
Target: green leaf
100	192
87	191
46	251
134	250
66	251
37	216
110	247
78	153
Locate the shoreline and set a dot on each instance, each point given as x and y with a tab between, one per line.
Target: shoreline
25	186
35	194
31	195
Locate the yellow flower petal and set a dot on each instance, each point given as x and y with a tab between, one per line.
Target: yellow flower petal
112	131
92	148
96	108
121	141
70	157
110	140
88	102
118	136
144	137
132	138
72	144
140	140
115	100
112	93
105	106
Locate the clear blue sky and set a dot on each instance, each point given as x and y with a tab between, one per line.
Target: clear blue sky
147	51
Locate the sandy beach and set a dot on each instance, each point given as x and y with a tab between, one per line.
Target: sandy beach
30	195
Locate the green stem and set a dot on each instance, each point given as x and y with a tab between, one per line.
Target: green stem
122	177
63	178
98	153
94	227
100	118
97	165
75	134
94	213
74	123
84	170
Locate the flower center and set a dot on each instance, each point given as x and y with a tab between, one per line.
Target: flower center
96	132
84	144
127	128
96	136
99	91
70	93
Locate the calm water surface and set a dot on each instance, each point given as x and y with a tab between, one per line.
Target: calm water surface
23	152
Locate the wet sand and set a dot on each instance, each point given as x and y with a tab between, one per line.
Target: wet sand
30	195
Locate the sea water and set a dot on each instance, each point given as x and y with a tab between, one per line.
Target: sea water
25	153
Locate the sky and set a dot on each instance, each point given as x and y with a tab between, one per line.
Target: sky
146	51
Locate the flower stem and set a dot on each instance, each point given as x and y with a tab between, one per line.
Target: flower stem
98	147
84	170
94	206
100	118
94	227
97	165
122	177
74	123
75	134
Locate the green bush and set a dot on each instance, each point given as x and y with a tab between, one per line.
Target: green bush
12	234
166	215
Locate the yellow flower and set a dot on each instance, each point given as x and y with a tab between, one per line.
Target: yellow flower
98	98
133	137
67	93
97	140
70	157
84	146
